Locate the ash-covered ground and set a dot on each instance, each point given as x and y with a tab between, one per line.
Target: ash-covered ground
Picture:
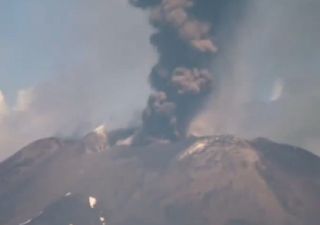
219	180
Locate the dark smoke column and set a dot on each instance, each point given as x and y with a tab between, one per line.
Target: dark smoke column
181	79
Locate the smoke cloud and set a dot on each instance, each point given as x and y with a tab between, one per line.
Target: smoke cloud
262	82
268	76
182	78
248	68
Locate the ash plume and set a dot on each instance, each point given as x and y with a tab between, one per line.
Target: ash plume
267	84
182	77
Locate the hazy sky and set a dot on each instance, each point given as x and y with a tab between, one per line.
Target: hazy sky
66	66
270	75
40	38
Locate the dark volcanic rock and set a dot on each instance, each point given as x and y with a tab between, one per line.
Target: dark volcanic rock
220	180
70	209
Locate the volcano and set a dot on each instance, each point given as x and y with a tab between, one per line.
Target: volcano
220	180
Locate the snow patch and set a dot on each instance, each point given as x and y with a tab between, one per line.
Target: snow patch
26	222
196	148
103	221
92	202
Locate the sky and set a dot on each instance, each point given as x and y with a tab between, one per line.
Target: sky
68	66
270	76
81	54
37	38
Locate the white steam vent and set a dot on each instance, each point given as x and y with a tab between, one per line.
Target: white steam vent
97	140
3	105
101	131
277	90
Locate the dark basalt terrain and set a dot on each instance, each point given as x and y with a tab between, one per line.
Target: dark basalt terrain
219	180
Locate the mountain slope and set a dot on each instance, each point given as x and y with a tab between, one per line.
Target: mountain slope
220	180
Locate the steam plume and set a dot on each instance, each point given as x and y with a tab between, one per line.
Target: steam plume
181	78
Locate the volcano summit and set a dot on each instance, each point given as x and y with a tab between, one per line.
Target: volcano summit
221	180
157	173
